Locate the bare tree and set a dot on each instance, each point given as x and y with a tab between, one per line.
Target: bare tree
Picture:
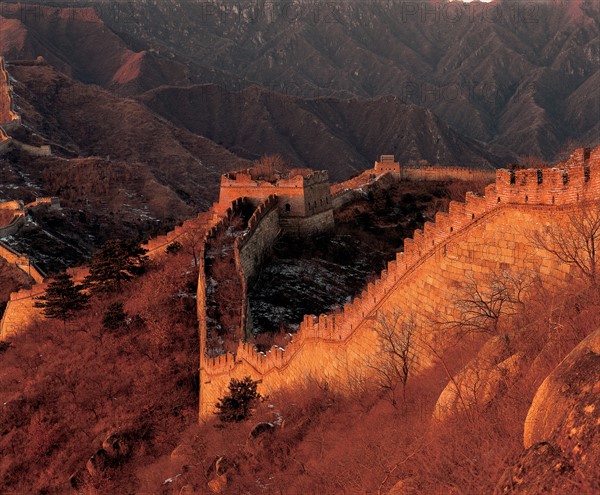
268	165
479	305
397	355
192	238
574	240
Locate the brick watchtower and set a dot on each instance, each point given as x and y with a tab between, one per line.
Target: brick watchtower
304	197
387	163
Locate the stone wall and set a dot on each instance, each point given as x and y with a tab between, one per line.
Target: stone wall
22	262
5	141
15	224
349	190
477	238
436	172
306	226
8	118
196	226
12	205
344	196
222	223
43	150
256	243
20	311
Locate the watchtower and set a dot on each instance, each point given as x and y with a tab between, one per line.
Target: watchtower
304	197
387	164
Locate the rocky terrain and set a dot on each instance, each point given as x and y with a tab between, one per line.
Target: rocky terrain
343	136
528	88
119	170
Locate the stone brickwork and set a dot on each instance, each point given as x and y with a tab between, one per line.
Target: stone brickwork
20	311
18	220
5	141
21	261
436	172
12	205
222	224
387	164
351	189
304	197
43	150
256	243
483	235
158	245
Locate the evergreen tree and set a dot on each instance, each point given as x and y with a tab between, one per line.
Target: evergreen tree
62	299
174	247
114	317
115	262
238	404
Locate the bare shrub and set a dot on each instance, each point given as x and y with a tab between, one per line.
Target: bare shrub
397	353
574	239
480	304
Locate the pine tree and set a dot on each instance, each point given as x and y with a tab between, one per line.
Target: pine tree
117	261
238	404
115	317
62	299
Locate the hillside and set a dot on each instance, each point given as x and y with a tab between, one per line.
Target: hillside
527	89
318	274
505	74
93	122
341	136
488	393
119	169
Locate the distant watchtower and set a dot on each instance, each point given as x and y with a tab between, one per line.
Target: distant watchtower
387	163
304	197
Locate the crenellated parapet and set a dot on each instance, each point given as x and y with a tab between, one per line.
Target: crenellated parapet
572	181
20	310
261	211
463	239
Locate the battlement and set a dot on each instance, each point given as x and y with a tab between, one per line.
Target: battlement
575	180
297	177
52	201
20	310
262	210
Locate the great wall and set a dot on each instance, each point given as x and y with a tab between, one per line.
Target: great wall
20	311
9	119
477	238
483	236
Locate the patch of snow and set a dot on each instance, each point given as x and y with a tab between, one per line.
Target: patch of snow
170	480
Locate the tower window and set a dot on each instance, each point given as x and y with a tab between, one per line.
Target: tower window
288	208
